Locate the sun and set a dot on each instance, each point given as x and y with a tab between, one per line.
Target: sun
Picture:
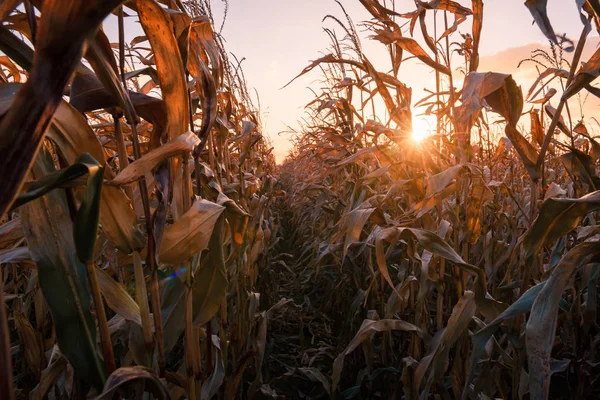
422	127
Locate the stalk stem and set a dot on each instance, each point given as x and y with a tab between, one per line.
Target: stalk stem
122	149
107	350
141	297
151	257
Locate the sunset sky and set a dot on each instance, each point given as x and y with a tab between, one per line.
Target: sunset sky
279	37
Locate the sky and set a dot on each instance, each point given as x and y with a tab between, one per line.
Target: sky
278	38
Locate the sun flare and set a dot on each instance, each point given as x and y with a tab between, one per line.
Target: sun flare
422	127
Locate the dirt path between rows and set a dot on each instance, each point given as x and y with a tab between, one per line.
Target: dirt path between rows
301	333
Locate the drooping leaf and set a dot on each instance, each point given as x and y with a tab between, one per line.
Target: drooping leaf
537	8
211	386
63	30
86	220
16	49
501	93
137	169
51	181
477	28
549	94
377	173
537	132
561	73
158	27
191	233
49	375
585	76
411	46
556	218
435	363
102	60
438	182
356	156
382	265
521	305
16	255
73	136
354	223
437	246
581	166
62	277
89	94
398	299
209	290
551	111
117	298
367	329
138	379
202	38
541	326
31	347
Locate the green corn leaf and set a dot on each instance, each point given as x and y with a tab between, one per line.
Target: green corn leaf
62	277
86	221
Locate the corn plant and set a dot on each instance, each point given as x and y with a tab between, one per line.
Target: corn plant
135	211
470	258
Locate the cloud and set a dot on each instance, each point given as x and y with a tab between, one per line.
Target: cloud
507	61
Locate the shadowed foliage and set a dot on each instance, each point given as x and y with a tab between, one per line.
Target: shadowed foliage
151	248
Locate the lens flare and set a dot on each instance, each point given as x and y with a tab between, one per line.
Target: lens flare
173	275
422	127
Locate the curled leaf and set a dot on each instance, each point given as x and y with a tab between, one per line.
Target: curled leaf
137	169
191	233
138	379
556	218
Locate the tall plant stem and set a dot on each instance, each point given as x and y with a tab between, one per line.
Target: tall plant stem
438	126
191	345
151	257
156	313
107	350
438	131
122	149
141	297
209	355
462	143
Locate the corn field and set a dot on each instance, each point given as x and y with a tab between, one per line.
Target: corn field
151	247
